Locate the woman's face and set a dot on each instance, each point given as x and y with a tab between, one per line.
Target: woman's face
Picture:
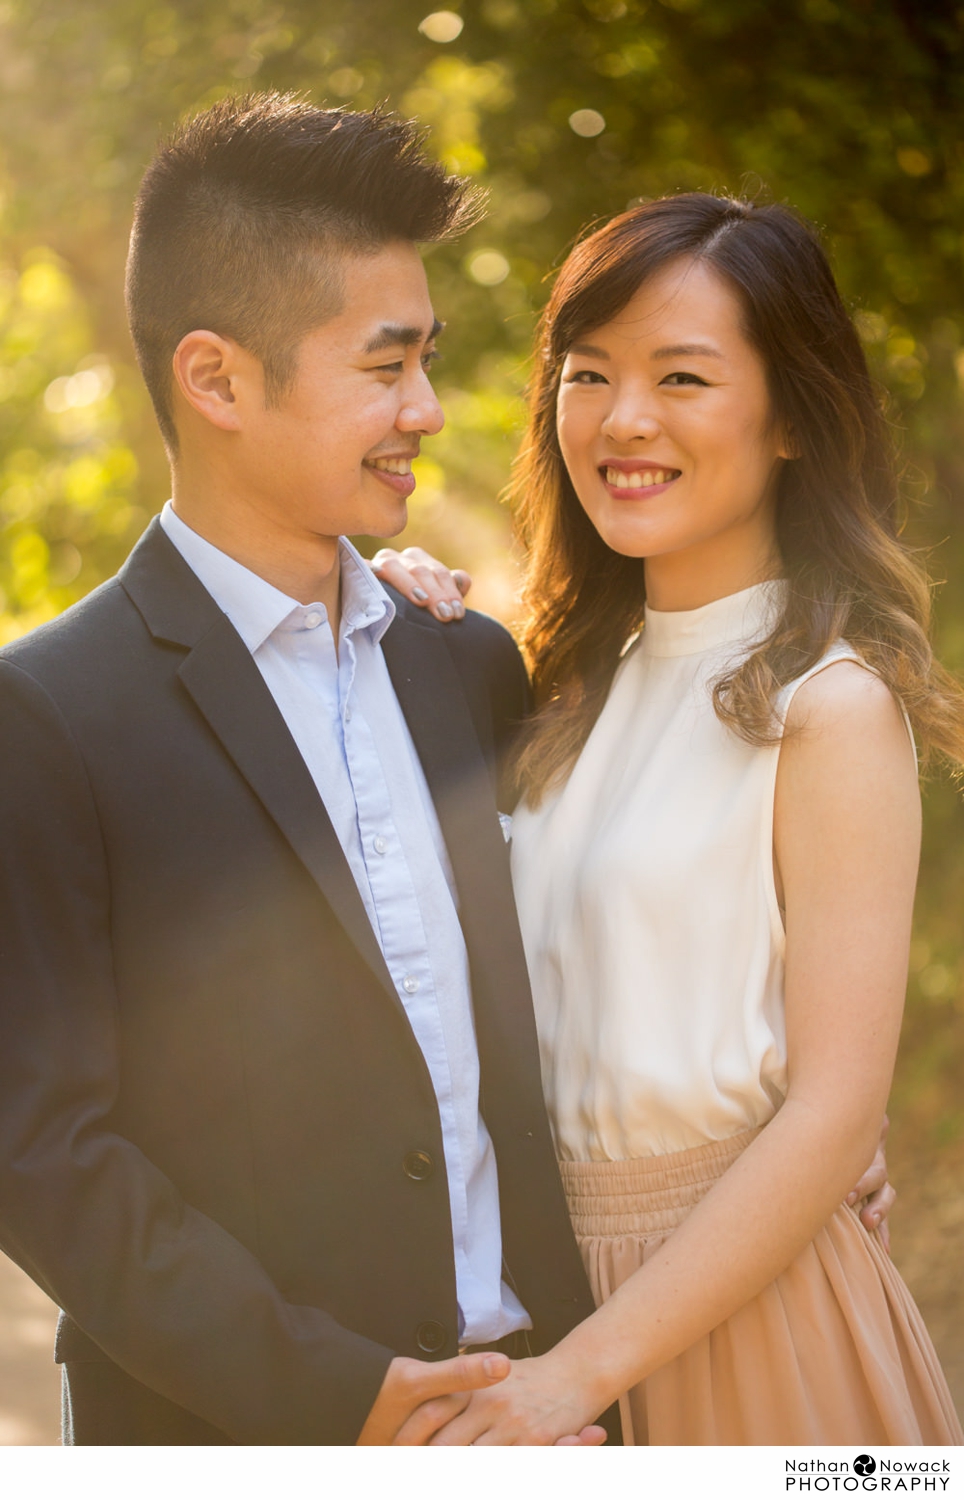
666	428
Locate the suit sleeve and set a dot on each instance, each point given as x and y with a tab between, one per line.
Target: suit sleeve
168	1294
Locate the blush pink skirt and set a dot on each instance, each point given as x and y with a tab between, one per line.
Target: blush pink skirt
833	1351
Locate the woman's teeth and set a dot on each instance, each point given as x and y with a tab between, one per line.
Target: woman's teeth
392	465
642	480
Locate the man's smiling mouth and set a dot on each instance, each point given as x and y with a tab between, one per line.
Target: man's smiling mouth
391	465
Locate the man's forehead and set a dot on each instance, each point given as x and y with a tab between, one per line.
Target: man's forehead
385	299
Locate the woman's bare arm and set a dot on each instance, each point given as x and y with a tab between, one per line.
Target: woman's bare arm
847	835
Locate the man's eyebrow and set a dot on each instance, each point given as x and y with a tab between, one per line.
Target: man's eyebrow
391	335
683	351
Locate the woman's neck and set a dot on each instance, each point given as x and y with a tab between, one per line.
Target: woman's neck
699	575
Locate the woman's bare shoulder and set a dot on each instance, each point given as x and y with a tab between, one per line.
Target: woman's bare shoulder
843	701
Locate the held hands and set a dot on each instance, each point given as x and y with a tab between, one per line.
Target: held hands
538	1405
420	1397
424	581
422	1403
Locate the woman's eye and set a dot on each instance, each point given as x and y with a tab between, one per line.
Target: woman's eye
584	377
682	377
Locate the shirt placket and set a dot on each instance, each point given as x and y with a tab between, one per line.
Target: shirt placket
401	929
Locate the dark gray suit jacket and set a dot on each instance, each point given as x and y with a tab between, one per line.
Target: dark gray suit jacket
209	1090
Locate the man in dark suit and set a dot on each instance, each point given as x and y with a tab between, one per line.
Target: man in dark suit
271	1125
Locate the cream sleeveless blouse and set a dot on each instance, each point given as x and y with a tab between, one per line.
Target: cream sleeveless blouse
648	908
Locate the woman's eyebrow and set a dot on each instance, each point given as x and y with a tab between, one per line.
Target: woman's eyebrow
683	351
591	351
390	335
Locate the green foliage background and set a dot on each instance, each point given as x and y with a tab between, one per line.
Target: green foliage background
853	110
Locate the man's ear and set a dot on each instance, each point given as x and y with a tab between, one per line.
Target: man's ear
212	373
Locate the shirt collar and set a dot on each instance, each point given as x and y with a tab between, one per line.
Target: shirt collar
257	609
364	603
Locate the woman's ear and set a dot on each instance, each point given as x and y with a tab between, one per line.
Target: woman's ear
208	372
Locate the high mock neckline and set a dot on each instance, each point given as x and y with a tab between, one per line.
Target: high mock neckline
744	617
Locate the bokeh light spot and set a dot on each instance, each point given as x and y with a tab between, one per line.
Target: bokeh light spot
587	122
345	82
915	163
442	26
488	267
82	389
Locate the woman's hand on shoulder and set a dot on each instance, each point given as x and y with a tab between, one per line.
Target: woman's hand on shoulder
424	581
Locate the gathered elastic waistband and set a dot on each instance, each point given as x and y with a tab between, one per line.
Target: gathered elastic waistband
646	1195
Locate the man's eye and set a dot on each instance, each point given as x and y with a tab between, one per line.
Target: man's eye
429	358
682	377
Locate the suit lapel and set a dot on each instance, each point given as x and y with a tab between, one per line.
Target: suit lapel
219	674
230	692
430	693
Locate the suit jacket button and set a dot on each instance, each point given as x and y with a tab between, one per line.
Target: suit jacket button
430	1337
419	1166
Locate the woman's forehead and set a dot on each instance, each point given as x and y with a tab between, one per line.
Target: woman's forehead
684	304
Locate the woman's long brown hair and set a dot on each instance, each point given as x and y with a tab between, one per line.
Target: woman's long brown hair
837	509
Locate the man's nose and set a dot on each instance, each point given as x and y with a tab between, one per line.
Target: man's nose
420	410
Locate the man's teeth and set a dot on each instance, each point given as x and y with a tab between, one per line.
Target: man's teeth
641	480
393	465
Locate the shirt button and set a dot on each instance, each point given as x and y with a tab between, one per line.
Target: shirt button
410	984
430	1336
313	619
418	1165
379	844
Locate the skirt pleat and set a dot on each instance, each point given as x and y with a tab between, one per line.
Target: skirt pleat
834	1351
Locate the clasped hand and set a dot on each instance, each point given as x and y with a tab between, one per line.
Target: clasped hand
480	1399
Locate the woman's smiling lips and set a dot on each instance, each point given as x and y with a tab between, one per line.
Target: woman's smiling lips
633	478
395	470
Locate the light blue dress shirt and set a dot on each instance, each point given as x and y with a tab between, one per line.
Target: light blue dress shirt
344	718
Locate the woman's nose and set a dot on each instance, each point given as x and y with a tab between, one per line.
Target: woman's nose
629	417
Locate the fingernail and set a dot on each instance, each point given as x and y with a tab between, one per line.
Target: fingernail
851	1199
875	1219
420	595
458	608
494	1366
443	610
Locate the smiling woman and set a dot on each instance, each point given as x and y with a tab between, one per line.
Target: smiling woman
787	439
670	440
715	853
715	857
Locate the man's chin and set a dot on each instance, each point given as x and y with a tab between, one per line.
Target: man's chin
388	526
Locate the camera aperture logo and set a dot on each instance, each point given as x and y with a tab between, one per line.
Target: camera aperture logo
908	1476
